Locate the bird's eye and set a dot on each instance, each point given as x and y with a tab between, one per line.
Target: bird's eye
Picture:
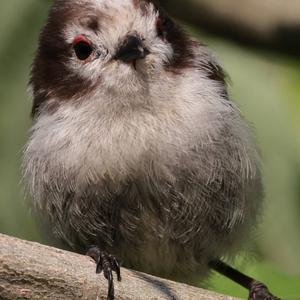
83	47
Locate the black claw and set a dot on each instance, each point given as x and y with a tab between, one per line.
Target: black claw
111	289
259	291
107	263
115	266
94	252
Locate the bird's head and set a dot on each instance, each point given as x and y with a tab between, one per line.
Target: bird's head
113	46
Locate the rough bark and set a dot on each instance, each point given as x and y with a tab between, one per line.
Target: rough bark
32	271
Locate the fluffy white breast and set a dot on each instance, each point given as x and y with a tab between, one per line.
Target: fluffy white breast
110	135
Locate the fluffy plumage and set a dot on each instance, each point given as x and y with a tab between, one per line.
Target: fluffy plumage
151	163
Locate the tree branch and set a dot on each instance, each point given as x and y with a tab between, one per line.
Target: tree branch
269	23
32	271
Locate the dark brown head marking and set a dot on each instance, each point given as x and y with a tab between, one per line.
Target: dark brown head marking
180	41
183	46
50	77
216	72
167	29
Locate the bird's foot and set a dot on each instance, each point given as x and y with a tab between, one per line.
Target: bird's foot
106	263
259	291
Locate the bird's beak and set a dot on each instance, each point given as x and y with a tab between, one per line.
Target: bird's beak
131	50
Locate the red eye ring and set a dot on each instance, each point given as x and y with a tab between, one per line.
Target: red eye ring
81	39
83	47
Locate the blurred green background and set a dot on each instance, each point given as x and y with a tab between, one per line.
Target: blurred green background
265	84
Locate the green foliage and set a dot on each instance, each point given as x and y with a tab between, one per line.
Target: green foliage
267	88
20	24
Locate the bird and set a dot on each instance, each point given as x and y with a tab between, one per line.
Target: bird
136	153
